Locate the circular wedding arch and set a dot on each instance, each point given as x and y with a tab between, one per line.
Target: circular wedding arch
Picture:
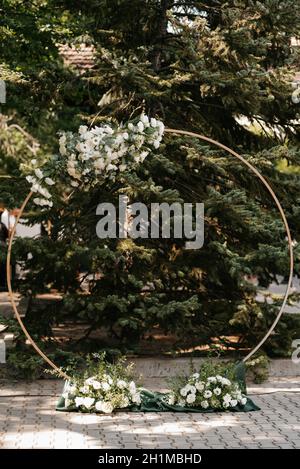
228	150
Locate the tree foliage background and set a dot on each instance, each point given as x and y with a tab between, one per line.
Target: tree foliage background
199	66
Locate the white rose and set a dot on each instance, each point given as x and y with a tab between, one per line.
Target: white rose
204	404
96	385
111	167
136	398
78	401
89	381
243	401
199	386
212	379
217	391
36	188
161	127
233	403
97	130
132	387
183	392
99	164
207	394
227	397
171	400
49	181
30	179
33	162
121	384
181	403
226	382
114	155
108	130
145	119
62	146
84	389
118	140
105	386
45	193
71	389
196	375
140	127
143	155
225	405
82	129
96	140
107	408
191	388
153	122
72	171
156	144
98	406
88	402
37	201
81	147
39	174
191	398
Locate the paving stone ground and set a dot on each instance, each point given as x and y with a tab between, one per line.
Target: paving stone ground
28	420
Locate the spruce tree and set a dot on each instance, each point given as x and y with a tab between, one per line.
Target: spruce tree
205	67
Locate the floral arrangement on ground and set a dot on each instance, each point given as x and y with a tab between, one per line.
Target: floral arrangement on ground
215	386
105	387
102	387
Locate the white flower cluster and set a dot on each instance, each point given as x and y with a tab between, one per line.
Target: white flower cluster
102	394
106	150
40	184
215	392
96	153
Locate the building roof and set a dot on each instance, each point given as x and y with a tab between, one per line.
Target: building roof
80	56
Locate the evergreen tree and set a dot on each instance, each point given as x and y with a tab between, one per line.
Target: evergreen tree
198	66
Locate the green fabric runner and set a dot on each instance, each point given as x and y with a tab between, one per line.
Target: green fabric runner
155	401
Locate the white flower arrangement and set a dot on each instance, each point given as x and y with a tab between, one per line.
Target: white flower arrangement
110	387
214	392
93	154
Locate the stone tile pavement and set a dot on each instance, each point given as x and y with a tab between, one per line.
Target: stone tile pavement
28	420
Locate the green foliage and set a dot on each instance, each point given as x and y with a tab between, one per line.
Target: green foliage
98	364
258	368
24	365
208	368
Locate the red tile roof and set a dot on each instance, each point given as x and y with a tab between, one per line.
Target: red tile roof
80	57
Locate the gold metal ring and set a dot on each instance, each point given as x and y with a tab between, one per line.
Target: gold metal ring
233	153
